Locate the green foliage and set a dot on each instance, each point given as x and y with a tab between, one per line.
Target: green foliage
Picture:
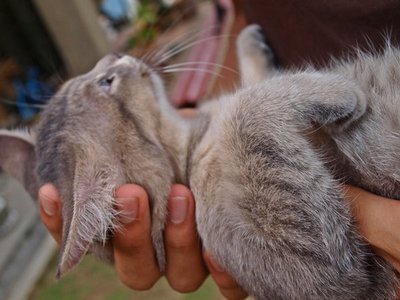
93	280
147	12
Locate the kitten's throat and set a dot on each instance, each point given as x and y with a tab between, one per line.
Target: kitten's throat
174	136
180	138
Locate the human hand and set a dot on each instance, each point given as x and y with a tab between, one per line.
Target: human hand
378	221
135	261
226	284
134	255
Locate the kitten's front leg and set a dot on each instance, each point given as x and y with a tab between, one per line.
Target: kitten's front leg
256	59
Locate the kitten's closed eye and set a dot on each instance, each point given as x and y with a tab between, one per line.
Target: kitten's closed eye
106	83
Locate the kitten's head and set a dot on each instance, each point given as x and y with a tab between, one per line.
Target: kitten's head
118	88
96	133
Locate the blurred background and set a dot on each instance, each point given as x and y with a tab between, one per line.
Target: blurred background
45	42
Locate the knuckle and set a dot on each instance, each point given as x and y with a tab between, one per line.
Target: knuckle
134	246
136	243
177	245
181	242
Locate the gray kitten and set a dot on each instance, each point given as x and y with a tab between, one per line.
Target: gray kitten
265	165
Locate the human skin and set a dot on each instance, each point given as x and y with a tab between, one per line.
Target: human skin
187	264
378	221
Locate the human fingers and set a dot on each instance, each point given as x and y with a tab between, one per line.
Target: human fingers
50	210
134	255
377	219
226	284
389	258
185	269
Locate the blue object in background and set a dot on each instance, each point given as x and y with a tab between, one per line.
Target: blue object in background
31	95
115	10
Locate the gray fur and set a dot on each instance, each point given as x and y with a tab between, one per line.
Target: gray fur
265	165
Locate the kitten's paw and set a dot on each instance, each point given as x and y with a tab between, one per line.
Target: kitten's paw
256	58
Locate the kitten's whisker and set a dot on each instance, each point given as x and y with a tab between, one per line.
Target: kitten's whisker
194	63
315	129
187	37
158	52
170	54
169	28
191	38
165	51
176	70
13	103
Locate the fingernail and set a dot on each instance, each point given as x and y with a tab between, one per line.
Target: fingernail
129	209
178	209
49	206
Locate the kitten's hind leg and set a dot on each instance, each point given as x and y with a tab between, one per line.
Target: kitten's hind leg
256	59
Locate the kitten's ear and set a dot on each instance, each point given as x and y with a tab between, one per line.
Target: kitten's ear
75	244
18	158
90	217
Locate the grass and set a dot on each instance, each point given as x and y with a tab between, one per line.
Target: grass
93	280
